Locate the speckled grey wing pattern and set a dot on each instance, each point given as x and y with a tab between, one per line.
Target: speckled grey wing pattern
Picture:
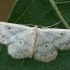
45	50
18	38
10	31
60	38
27	42
49	40
21	48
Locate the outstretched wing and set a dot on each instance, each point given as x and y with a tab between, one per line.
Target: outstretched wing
18	38
8	31
21	48
45	50
60	38
48	41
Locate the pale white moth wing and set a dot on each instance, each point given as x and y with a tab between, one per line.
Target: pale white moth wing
7	30
60	38
19	39
45	51
21	48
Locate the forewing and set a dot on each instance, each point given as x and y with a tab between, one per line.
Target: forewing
18	38
8	30
45	51
60	38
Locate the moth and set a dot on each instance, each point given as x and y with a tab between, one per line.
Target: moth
33	42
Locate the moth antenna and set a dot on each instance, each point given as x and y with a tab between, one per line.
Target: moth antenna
53	25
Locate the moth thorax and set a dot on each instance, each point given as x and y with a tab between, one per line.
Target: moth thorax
34	40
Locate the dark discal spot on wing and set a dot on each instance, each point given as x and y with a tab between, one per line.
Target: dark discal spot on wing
20	42
46	46
61	34
8	27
